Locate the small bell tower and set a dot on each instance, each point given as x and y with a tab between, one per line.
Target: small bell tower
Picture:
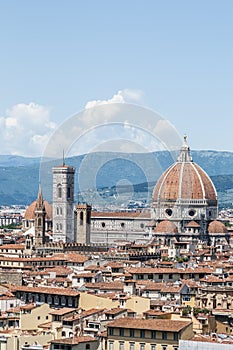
83	233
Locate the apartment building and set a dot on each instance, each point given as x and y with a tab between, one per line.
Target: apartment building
147	334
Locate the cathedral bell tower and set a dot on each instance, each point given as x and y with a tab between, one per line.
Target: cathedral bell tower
63	203
40	214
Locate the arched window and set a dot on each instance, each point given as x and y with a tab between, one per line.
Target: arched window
60	211
39	221
88	217
60	227
59	192
28	244
57	210
57	227
81	218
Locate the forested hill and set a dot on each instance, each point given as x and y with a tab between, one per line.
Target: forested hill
19	176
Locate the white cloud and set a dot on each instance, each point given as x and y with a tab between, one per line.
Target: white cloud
25	129
11	122
119	123
122	96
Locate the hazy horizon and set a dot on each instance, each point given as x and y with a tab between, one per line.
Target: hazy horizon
83	154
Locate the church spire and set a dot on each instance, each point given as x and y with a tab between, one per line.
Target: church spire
40	201
185	155
40	214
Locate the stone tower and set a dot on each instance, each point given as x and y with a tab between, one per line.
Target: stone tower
63	203
83	228
40	214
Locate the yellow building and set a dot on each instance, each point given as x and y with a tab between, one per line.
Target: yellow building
32	315
137	304
147	334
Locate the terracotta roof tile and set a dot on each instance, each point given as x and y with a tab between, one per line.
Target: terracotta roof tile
62	311
166	226
30	211
217	227
45	290
195	184
106	285
150	324
13	246
73	341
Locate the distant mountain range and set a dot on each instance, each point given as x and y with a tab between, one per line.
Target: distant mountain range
19	176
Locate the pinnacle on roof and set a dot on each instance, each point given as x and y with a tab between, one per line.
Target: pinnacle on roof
40	200
63	158
185	155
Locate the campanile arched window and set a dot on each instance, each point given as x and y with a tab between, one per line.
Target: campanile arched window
81	218
59	191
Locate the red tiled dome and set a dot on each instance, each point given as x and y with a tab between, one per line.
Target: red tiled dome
185	180
217	227
193	224
30	212
166	227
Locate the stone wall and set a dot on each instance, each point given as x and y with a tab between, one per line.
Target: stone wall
10	277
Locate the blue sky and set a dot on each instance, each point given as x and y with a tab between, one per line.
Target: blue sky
56	56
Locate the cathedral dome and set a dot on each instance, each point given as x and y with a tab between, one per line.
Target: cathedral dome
217	227
166	227
184	192
185	180
30	211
